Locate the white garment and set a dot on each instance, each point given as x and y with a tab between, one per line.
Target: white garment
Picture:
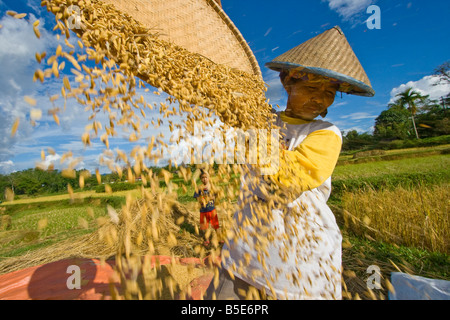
303	261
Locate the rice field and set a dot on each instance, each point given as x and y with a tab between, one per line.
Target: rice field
77	196
417	218
428	164
392	227
36	224
411	211
393	214
377	155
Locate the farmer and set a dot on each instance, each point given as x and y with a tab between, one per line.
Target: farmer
289	246
208	214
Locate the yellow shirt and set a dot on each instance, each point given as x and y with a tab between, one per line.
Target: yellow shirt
312	151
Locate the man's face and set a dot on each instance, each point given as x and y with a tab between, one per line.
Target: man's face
204	179
308	99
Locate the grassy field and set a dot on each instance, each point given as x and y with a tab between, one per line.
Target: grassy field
351	157
392	213
404	201
408	173
78	196
35	224
427	164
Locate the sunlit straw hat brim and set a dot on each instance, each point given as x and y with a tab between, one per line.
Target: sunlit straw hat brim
330	55
349	85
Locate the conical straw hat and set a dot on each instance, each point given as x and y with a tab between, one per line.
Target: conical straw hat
200	26
329	54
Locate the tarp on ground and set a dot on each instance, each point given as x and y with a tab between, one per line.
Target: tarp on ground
56	280
409	287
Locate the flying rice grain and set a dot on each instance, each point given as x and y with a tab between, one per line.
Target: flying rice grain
35	114
15	126
30	101
56	118
167	74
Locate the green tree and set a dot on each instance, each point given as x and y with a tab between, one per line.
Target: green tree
411	99
392	124
355	141
433	119
443	72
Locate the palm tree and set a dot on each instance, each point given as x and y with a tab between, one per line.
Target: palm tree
409	98
397	105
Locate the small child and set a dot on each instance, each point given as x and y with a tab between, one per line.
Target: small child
208	213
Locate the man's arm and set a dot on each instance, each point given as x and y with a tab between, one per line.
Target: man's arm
310	164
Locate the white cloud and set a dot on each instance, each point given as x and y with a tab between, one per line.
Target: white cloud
275	91
51	159
6	167
346	127
358	116
425	86
347	9
18	45
34	5
339	104
360	129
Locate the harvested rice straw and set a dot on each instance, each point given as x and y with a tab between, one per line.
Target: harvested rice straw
9	194
104	243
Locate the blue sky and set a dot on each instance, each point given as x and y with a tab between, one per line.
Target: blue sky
412	42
